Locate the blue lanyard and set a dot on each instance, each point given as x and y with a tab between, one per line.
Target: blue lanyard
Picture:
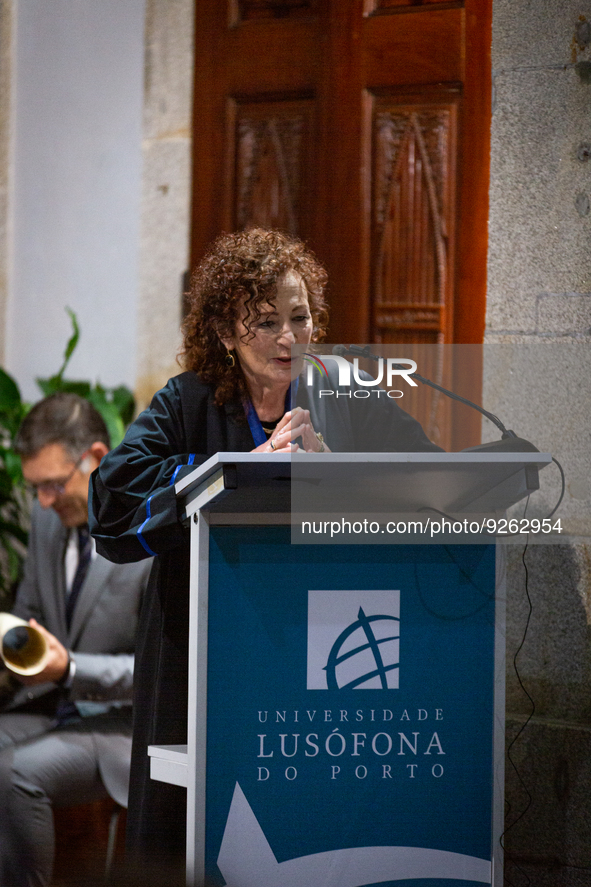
254	423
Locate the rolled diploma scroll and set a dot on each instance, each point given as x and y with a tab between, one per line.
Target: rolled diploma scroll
22	648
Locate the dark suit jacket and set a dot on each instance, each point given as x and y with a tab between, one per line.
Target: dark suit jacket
102	638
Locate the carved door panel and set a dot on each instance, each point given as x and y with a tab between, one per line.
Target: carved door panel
273	164
363	127
256	116
413	222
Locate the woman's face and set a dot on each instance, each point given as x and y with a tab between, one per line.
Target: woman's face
264	347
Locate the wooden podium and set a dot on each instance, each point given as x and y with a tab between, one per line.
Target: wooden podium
346	695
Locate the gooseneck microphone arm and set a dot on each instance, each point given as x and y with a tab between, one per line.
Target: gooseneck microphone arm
366	352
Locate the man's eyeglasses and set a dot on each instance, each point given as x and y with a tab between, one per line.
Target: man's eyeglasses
56	487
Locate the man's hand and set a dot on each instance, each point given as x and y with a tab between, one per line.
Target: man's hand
57	661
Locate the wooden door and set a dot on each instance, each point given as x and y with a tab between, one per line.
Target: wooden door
363	127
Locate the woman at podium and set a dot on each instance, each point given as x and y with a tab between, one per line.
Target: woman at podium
255	295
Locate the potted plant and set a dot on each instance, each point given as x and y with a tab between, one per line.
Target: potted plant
116	405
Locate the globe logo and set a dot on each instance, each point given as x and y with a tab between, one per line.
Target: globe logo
365	654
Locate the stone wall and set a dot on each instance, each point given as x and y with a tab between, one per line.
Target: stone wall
166	191
539	305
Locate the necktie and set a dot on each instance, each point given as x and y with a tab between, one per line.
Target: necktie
84	552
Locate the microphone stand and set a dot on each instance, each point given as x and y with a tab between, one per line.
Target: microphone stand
509	443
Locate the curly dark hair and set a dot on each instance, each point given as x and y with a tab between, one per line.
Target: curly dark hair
243	268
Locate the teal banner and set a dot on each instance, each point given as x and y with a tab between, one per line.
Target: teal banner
350	713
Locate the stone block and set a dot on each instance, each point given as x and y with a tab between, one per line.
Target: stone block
537	32
538	241
168	75
554	658
549	875
164	259
564	314
551	763
542	391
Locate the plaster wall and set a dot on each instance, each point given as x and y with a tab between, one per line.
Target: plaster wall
6	35
76	179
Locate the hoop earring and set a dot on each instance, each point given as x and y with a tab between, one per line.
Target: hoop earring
230	359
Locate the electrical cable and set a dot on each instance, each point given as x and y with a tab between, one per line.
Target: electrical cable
562	490
510	535
527	720
487	598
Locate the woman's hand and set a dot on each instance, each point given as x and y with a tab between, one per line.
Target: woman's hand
267	448
295	423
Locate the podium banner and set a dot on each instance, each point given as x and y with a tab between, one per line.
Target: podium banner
350	713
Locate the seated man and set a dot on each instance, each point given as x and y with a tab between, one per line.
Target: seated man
65	734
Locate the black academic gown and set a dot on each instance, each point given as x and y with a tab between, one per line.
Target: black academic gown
134	514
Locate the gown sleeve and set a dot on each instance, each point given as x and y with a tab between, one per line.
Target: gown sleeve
133	511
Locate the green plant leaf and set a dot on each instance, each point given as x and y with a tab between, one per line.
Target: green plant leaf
55	383
10	396
15	562
14	530
13	466
72	341
6	486
110	414
115	405
125	402
76	386
49	386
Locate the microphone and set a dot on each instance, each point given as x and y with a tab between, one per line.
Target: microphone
357	350
509	443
